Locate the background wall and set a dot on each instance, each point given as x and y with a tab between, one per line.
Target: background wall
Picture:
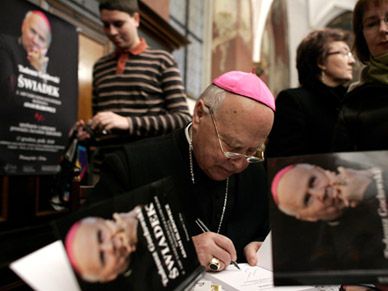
220	28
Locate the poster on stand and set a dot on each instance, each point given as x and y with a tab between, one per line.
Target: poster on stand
38	88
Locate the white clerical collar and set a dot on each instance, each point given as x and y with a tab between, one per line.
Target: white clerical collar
187	133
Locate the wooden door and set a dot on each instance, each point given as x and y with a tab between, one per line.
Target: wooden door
89	52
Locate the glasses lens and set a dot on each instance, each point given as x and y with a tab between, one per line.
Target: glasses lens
233	156
258	157
252	159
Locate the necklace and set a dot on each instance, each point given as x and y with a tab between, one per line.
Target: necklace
193	181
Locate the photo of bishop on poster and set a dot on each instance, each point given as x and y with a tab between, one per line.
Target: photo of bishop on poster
329	217
38	88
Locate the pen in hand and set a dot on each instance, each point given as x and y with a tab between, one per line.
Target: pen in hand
204	228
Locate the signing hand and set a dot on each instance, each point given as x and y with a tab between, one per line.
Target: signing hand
210	245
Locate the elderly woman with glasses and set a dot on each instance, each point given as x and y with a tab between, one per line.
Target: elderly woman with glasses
218	156
363	122
306	116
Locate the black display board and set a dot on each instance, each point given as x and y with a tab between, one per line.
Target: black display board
38	107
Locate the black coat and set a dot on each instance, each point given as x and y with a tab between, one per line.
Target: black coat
140	163
304	120
363	122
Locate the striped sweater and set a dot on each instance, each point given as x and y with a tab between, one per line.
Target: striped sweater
149	92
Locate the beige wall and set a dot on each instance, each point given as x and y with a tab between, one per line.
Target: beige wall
232	36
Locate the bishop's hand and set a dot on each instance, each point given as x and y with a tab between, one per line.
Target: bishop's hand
210	245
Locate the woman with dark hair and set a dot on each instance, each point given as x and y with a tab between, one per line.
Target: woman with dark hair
305	116
363	122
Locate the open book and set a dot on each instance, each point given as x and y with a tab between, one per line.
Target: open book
329	218
252	278
249	278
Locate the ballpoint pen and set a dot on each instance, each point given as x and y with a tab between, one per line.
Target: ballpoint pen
204	228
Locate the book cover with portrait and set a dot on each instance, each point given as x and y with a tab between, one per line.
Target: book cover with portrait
329	218
136	241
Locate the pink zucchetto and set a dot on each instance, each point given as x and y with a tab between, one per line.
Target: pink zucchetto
276	180
246	84
43	17
69	244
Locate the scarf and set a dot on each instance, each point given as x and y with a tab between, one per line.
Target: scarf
375	72
378	70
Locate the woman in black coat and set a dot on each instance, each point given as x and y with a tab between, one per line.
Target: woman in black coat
363	122
305	116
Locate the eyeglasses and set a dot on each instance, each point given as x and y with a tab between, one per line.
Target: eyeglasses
345	54
257	157
373	23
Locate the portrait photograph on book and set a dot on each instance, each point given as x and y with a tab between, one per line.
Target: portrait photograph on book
135	241
329	218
